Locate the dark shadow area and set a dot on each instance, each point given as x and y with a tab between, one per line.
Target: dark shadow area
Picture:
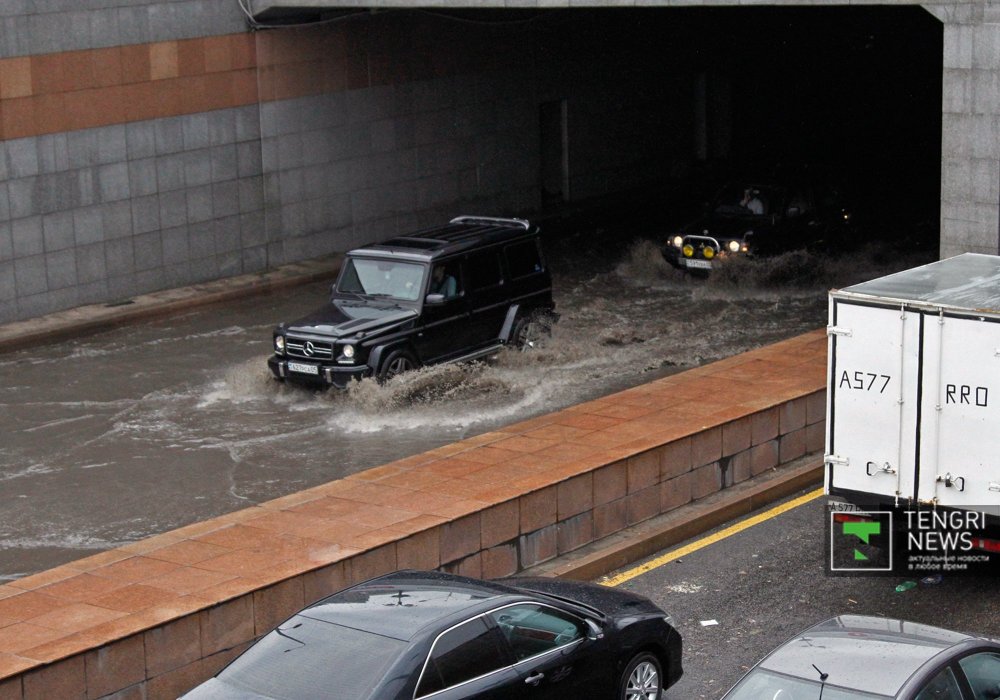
847	96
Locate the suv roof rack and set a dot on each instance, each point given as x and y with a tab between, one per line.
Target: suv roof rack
523	223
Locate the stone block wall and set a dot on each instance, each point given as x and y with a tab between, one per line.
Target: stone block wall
152	145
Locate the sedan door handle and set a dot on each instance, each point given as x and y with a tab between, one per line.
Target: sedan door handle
535	679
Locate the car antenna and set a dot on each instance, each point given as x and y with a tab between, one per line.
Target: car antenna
822	680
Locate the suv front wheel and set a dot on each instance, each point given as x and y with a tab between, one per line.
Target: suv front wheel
397	362
529	332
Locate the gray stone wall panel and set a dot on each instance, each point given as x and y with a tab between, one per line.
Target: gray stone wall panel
7	289
60	269
29	275
6	244
57	230
90	267
199	204
45	27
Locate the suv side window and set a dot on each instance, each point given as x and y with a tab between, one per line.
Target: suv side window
462	653
523	259
534	629
484	270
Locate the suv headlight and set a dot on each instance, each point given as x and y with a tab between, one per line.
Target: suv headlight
346	356
734	246
279	344
678	241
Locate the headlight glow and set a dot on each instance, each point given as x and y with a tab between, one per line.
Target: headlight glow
734	246
678	241
709	252
348	351
688	250
279	344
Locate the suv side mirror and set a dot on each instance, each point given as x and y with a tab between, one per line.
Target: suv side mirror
434	299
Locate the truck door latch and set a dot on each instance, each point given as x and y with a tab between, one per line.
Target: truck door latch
950	481
871	469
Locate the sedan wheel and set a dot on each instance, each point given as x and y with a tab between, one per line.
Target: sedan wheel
642	679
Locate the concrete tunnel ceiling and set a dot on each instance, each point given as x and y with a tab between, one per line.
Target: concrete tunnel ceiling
851	93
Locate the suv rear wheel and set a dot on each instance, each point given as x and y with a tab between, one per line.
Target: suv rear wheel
397	362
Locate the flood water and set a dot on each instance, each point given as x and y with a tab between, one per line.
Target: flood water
114	437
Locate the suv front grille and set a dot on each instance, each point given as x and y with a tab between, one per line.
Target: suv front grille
309	349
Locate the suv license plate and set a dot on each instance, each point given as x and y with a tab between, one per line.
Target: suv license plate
303	368
701	264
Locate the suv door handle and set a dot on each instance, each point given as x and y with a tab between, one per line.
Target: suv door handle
535	679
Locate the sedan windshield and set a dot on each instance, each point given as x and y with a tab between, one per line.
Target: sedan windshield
306	658
382	278
761	684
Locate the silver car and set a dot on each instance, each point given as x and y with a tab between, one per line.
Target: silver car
854	657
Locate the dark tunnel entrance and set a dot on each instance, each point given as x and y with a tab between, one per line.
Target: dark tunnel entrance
406	116
846	94
854	93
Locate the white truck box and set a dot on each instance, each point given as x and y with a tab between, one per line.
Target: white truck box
913	393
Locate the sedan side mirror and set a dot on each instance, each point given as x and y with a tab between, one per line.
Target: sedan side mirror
594	631
434	299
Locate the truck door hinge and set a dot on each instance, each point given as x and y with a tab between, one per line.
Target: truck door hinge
950	481
837	460
994	486
871	469
838	330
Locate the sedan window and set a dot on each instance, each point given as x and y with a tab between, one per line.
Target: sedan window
462	653
534	629
943	687
983	673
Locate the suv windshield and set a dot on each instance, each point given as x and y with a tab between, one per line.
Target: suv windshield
745	198
382	278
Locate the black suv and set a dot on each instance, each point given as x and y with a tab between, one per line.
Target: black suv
455	292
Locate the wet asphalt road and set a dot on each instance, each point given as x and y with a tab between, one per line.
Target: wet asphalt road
767	583
114	437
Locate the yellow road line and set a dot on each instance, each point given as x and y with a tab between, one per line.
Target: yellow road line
711	539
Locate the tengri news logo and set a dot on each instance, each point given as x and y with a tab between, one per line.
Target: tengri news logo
860	541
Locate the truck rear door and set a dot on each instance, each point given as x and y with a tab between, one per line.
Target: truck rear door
960	432
873	363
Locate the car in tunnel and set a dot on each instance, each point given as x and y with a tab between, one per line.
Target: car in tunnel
760	217
456	292
426	634
859	657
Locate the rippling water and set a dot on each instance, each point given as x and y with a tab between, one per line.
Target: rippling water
118	436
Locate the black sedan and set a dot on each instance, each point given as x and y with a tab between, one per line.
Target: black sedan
855	657
416	634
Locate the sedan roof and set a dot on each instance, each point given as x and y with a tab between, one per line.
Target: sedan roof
401	604
873	654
